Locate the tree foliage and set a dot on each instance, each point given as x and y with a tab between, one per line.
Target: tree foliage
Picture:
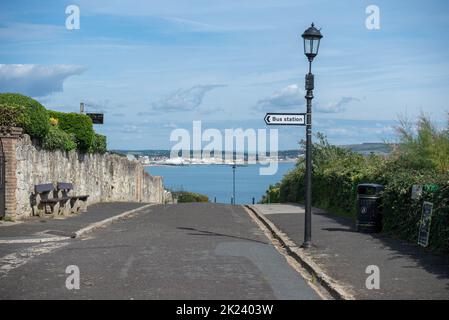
25	112
57	138
77	124
52	129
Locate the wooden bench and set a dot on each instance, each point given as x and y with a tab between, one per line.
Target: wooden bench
44	201
77	202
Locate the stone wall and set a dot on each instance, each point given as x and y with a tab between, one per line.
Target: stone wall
105	177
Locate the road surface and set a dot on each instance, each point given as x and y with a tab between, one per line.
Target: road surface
183	251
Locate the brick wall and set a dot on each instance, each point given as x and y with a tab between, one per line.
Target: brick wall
9	137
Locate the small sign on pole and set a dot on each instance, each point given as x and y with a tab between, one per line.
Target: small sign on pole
285	119
424	227
416	191
97	118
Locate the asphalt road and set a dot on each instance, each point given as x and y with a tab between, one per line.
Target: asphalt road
184	251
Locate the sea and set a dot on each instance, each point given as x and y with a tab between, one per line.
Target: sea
216	181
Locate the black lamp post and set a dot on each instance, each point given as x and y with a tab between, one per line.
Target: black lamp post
312	37
233	182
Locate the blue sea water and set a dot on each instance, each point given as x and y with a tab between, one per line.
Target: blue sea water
216	180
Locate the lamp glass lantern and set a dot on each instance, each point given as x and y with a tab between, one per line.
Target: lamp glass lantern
312	37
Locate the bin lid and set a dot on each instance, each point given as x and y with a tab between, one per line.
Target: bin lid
372	185
369	188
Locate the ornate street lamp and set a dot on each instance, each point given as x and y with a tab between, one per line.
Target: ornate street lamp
312	37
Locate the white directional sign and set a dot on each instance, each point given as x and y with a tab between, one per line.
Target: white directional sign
285	119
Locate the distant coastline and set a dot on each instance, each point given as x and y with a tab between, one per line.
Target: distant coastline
163	164
151	158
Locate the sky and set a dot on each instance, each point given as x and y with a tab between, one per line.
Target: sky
154	66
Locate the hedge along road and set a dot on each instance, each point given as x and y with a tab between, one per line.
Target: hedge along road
55	130
184	251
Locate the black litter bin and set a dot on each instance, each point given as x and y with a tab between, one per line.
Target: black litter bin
369	209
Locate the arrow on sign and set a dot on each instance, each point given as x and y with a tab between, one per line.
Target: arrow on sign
285	119
267	119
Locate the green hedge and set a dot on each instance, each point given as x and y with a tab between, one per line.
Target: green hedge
337	172
23	111
402	214
79	125
99	144
336	192
58	139
12	115
184	196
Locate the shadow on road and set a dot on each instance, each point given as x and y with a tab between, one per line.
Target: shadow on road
339	229
211	233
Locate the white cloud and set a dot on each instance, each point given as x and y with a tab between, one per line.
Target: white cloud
287	98
36	80
335	107
292	97
183	100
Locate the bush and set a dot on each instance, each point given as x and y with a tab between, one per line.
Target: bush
99	144
55	130
427	148
33	118
79	125
54	121
272	195
12	115
58	139
184	196
402	214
